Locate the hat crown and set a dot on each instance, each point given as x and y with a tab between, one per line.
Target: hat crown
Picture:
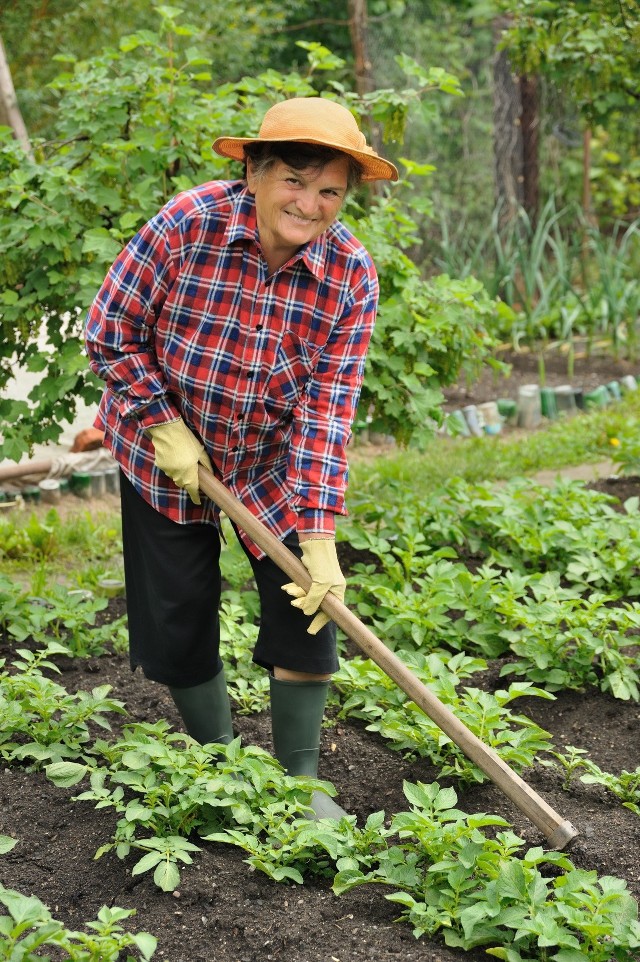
312	118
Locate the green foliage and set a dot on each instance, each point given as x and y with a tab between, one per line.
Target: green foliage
247	683
625	447
39	39
559	563
572	762
590	50
27	927
369	694
164	786
574	441
625	786
428	333
27	540
42	722
451	878
559	278
172	795
615	172
133	127
447	875
68	616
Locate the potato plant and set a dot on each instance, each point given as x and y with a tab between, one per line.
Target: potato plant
28	927
464	877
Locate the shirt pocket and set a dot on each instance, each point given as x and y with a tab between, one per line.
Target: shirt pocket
290	371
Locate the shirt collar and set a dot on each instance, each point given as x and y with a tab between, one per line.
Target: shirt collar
243	225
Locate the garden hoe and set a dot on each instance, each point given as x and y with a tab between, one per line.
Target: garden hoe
558	831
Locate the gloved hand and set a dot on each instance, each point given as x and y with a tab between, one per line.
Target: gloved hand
321	560
178	453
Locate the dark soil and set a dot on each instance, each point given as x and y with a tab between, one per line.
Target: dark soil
227	912
589	372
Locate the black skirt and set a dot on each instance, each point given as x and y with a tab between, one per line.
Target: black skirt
173	586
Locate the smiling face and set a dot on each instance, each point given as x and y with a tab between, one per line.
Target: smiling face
294	207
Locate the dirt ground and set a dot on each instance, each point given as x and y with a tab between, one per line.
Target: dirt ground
589	372
227	912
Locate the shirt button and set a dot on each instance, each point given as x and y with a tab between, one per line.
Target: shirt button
235	447
259	327
250	374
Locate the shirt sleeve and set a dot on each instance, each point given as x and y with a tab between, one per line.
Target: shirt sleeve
318	469
119	331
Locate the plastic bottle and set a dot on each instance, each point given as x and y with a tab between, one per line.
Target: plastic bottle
80	484
490	416
50	490
529	410
565	399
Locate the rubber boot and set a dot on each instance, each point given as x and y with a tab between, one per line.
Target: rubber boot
297	710
205	710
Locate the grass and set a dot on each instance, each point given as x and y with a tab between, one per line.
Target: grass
585	438
37	539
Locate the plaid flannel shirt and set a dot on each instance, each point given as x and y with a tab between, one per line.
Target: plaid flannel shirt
265	370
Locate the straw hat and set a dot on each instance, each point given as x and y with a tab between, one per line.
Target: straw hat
313	120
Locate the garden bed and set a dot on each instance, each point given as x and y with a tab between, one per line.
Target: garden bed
225	910
589	372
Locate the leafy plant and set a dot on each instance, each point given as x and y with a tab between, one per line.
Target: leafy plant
573	643
571	762
63	615
43	723
52	541
369	694
625	786
625	448
248	684
164	787
449	877
27	928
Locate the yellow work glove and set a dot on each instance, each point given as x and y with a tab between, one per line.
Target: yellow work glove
321	560
178	453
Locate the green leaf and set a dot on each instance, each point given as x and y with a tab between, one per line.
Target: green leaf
146	943
136	759
98	240
147	862
167	876
66	774
7	843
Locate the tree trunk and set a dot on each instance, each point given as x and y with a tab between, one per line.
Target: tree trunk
10	115
507	132
358	30
530	129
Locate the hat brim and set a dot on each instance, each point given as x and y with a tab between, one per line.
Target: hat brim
373	166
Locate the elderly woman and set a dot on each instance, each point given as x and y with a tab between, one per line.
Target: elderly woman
232	332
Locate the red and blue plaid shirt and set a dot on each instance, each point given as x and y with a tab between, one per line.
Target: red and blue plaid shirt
265	370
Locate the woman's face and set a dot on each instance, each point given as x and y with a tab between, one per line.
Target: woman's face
295	206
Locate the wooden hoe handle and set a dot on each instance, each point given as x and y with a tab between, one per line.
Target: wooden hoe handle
558	831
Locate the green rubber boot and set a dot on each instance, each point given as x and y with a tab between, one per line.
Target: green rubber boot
297	710
205	710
